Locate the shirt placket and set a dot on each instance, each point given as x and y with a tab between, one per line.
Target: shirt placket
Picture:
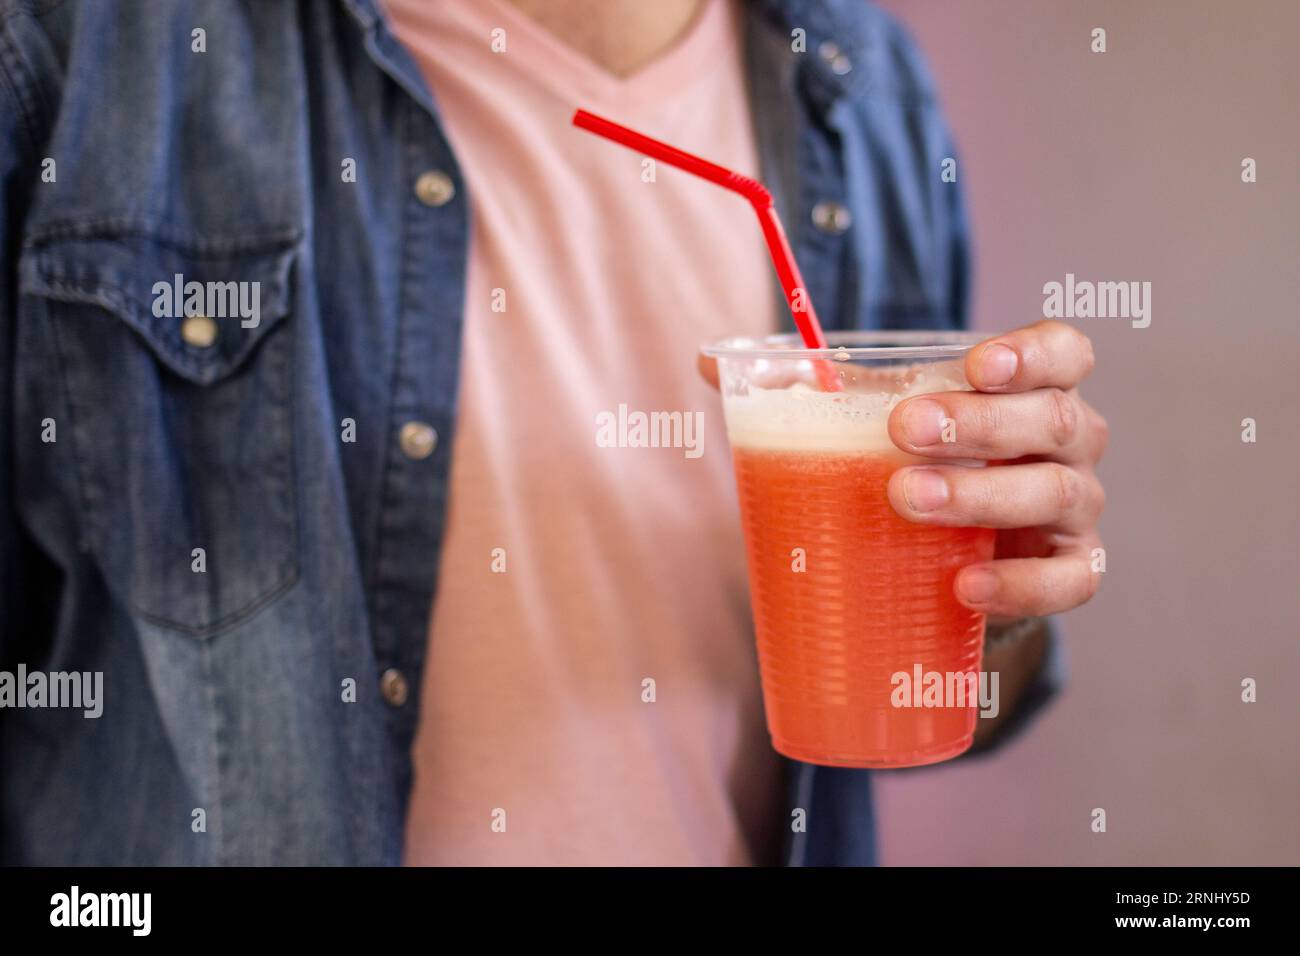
433	248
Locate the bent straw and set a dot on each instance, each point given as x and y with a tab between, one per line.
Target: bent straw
778	246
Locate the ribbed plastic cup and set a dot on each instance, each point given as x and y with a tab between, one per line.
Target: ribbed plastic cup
854	610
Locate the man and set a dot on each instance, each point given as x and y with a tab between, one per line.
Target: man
310	310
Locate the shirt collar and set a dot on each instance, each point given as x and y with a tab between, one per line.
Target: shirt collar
837	38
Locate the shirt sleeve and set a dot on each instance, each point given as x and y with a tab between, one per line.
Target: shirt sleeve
19	146
1042	688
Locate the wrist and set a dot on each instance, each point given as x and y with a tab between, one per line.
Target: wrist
1000	632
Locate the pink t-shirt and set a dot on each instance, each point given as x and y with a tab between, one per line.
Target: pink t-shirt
592	281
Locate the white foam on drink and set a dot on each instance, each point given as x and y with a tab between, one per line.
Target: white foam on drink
800	418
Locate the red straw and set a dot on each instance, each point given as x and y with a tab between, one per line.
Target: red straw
801	307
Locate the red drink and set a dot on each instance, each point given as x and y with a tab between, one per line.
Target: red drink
866	656
873	599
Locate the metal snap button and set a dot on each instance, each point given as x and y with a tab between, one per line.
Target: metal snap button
434	188
418	439
199	331
394	687
835	59
831	217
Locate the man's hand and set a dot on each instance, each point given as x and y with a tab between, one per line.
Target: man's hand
1044	496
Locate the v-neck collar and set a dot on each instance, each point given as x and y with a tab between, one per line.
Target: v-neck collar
578	79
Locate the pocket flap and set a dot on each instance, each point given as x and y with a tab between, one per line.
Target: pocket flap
156	285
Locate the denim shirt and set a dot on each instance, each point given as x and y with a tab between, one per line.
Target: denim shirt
230	519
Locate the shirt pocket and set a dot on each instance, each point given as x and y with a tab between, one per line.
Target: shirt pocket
182	424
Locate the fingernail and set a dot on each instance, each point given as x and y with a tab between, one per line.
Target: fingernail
925	490
998	365
923	421
978	585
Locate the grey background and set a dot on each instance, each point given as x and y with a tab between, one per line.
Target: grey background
1126	166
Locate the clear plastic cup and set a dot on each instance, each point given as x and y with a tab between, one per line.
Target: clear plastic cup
847	596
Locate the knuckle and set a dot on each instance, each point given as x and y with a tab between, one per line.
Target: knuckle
973	495
1083	347
1098	497
1091	583
1044	596
1067	489
1103	436
1062	417
1057	338
1098	428
979	420
994	498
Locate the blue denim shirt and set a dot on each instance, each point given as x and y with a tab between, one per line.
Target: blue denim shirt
130	157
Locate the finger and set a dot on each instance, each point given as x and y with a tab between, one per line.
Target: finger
1042	494
1047	353
708	369
1098	432
1028	587
1047	422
